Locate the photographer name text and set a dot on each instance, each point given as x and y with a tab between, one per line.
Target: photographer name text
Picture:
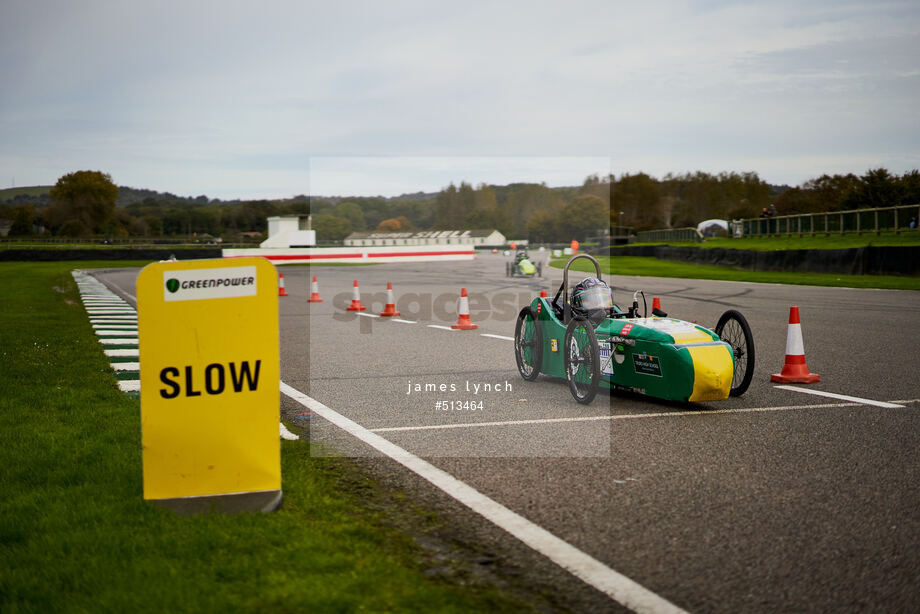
467	386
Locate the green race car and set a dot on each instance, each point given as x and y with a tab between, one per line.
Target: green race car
584	337
523	266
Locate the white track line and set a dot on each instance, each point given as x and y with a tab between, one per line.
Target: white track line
129	385
842	397
126	366
403	321
110	312
367	315
496	336
441	327
670	414
120	353
120	341
614	584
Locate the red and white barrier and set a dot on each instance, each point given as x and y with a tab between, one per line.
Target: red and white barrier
395	253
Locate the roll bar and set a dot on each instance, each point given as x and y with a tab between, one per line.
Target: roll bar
566	307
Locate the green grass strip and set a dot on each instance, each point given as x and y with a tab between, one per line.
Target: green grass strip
652	267
820	241
76	535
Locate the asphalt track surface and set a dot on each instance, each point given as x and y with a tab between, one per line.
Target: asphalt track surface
775	501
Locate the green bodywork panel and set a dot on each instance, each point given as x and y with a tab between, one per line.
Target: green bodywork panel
644	355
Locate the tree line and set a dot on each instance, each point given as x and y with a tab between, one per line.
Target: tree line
88	204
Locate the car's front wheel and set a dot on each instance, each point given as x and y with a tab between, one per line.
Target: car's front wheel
734	330
582	358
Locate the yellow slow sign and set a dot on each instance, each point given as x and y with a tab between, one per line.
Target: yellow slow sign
208	337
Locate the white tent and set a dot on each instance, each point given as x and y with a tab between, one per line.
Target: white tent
708	224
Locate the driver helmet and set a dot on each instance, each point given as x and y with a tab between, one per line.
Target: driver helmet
591	296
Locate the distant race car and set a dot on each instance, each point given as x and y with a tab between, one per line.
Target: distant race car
522	266
584	337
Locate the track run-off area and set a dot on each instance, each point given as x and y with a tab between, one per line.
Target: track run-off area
789	498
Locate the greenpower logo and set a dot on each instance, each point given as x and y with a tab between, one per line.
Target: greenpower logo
216	282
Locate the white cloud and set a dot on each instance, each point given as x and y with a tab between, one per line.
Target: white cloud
223	98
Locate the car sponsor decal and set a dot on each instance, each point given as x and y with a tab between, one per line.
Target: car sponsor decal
554	345
625	330
605	352
647	365
619	351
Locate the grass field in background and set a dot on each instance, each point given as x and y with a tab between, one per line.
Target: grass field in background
37	190
76	535
806	242
653	267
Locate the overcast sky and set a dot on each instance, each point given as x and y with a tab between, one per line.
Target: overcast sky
277	98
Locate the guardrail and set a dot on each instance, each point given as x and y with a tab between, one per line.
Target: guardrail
683	235
896	219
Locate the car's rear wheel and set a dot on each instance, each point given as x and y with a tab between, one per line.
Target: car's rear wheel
734	330
528	344
582	369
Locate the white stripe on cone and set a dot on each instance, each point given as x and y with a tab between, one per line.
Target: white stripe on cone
794	344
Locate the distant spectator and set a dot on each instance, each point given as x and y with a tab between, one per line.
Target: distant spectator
772	209
764	213
913	223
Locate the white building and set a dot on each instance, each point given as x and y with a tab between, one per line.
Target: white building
289	231
426	237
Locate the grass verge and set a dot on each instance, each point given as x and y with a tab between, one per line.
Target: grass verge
833	241
76	535
652	267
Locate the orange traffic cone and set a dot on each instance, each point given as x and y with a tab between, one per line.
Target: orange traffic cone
463	314
281	290
390	308
314	292
542	293
356	300
656	304
795	371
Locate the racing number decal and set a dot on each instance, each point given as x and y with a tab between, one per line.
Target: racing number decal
606	356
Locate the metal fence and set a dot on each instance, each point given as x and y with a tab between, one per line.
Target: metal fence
887	219
670	234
